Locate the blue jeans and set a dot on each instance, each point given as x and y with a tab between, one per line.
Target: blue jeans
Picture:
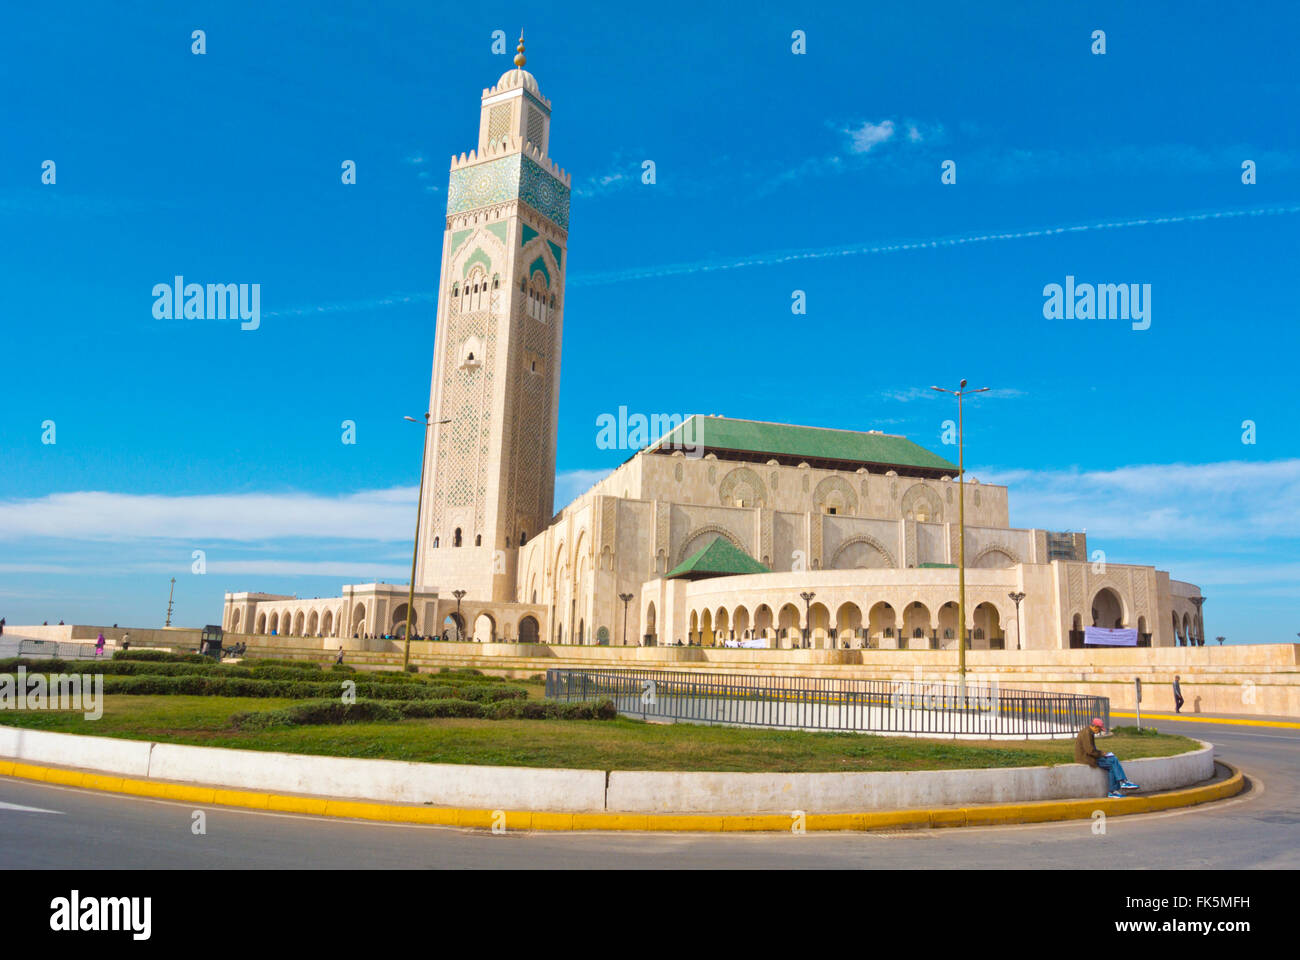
1113	770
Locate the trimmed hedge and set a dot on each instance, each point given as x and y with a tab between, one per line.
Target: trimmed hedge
159	656
334	711
205	677
468	673
553	710
282	662
317	712
227	686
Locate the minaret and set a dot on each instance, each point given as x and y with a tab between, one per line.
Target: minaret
490	472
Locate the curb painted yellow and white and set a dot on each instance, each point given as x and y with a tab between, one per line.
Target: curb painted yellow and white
981	815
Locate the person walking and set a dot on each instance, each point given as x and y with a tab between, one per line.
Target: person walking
1178	695
339	658
99	645
1085	751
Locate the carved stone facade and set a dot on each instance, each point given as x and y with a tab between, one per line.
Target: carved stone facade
872	532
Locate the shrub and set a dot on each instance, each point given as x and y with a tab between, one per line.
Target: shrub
553	710
1136	732
10	664
411	668
342	668
448	707
335	711
317	712
210	683
275	662
160	656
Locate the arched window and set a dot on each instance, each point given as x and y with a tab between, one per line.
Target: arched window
456	540
475	288
523	537
455	289
496	281
537	293
478	540
435	543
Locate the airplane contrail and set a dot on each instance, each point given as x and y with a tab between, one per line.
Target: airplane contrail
862	249
816	253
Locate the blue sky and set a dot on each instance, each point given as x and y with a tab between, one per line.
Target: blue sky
775	172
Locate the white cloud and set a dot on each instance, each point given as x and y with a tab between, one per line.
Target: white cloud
574	483
1221	507
95	515
862	139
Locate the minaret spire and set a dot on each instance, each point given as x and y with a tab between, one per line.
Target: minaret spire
520	59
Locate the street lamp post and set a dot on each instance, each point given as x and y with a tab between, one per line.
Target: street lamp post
625	597
1200	620
807	625
415	550
1016	598
961	537
460	628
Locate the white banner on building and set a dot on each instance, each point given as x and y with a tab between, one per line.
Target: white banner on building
1117	637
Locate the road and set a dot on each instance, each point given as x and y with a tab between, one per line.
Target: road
48	826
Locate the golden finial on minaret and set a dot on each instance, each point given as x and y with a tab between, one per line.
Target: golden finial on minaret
520	60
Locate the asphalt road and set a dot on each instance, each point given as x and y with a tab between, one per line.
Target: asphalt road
45	826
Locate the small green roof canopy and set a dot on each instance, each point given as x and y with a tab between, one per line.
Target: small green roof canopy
819	446
721	558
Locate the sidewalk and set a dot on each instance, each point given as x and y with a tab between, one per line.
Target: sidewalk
1245	720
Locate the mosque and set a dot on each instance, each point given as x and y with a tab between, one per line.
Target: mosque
719	532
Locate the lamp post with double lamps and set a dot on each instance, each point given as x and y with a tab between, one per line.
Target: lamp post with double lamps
960	392
625	597
1016	598
807	624
460	624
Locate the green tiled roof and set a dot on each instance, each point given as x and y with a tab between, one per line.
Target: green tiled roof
721	558
811	443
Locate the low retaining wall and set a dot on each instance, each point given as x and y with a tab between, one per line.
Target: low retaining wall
552	790
647	792
447	785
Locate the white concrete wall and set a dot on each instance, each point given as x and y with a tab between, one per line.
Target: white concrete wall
442	785
528	788
655	792
128	758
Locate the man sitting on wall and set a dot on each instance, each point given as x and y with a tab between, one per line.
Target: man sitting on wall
1085	751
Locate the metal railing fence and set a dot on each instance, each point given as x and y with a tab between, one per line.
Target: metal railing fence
911	707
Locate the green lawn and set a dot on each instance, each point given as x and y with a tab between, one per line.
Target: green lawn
620	744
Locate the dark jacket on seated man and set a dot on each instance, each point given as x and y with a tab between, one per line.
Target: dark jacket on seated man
1085	748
